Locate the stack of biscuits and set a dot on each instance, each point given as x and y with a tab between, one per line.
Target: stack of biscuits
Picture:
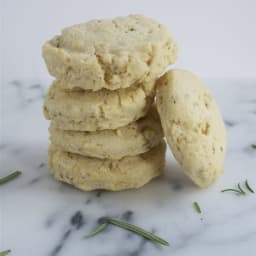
105	131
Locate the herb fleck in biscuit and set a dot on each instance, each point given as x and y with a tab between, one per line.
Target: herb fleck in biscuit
91	173
193	125
82	110
110	54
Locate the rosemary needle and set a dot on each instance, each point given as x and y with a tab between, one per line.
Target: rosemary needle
9	178
97	230
139	231
253	146
231	190
241	191
248	187
197	207
3	253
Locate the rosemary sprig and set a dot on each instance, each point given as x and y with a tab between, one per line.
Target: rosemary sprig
4	253
248	186
9	178
139	231
197	207
130	227
239	190
253	146
97	230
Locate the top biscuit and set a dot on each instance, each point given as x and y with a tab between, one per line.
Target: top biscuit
110	53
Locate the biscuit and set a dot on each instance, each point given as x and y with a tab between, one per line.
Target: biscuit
92	173
90	111
110	53
135	138
192	125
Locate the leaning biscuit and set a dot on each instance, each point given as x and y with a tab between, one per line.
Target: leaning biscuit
193	125
136	138
91	173
82	110
110	53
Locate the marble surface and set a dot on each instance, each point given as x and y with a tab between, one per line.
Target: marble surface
40	216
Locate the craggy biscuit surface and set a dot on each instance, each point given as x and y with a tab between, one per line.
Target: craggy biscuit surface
110	53
192	125
81	110
92	173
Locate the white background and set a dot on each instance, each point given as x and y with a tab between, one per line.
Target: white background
215	38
